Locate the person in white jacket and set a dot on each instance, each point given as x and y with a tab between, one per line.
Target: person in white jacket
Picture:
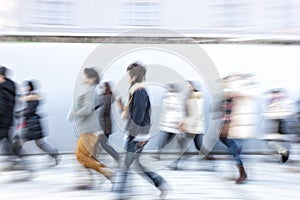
192	125
171	118
278	110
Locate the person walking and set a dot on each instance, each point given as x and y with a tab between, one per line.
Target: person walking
239	118
33	130
88	129
7	105
106	99
171	118
137	112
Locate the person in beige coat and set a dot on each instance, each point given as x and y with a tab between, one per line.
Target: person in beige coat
192	126
193	123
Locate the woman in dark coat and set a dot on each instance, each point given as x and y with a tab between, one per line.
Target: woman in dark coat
105	101
33	129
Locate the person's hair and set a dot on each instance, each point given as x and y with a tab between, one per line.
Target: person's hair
138	71
172	87
3	71
92	74
193	86
107	89
30	85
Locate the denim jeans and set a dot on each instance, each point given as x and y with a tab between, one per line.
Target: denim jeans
234	149
133	152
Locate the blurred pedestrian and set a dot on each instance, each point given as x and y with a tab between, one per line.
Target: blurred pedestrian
88	129
277	113
137	112
32	129
192	125
227	136
171	118
106	99
7	104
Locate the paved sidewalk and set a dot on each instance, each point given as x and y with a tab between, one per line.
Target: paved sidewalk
196	179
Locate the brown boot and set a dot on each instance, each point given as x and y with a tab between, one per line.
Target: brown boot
243	175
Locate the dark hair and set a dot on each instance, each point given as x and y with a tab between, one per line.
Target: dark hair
92	74
193	86
138	71
172	87
107	89
3	71
31	85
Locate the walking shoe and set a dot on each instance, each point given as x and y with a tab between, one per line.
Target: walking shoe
163	188
285	156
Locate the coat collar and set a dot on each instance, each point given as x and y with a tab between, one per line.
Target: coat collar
136	86
196	95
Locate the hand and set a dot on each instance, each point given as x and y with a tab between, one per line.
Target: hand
120	104
180	127
142	143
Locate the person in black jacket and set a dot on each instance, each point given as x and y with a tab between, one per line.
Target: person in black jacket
137	112
33	128
7	104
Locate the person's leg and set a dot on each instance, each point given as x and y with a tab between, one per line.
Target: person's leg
154	178
235	151
198	141
109	149
48	149
4	139
121	177
85	155
283	151
184	142
164	140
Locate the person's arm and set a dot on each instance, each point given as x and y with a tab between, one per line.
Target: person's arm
86	106
2	106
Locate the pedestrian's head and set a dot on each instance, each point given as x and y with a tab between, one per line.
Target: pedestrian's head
136	73
172	87
106	88
30	86
2	74
191	86
91	76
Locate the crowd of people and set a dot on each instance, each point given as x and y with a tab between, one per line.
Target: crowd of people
182	118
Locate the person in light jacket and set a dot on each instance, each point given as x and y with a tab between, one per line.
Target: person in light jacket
171	118
279	110
88	128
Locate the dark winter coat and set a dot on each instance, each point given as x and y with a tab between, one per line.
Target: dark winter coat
7	103
104	118
33	129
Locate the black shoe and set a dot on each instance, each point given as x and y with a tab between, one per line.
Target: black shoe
285	156
83	187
